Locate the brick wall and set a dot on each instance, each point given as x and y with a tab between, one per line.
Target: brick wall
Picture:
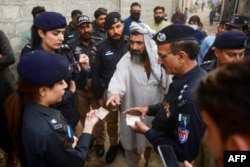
15	15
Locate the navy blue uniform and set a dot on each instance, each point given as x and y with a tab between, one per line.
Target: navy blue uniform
107	56
45	139
67	105
177	120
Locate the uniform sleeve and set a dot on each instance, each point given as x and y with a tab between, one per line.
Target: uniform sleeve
153	109
96	75
6	51
186	137
58	155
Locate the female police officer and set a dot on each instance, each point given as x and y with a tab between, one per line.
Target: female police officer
48	34
46	138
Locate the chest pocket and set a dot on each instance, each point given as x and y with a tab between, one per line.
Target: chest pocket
63	131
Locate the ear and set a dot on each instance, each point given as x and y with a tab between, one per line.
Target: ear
182	56
43	91
41	33
216	52
238	142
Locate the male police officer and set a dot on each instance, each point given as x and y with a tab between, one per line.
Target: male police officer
228	47
108	55
177	119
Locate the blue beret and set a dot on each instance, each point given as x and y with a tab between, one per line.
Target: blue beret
111	18
174	33
50	21
42	68
230	40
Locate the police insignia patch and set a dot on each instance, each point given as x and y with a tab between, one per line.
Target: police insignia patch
161	37
183	132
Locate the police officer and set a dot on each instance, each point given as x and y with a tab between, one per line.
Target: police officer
48	34
108	55
84	93
99	33
177	119
228	47
46	138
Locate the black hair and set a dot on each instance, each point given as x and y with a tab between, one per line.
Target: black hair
76	12
191	47
100	11
135	4
37	10
159	8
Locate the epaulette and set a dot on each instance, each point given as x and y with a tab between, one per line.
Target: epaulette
208	65
206	62
64	46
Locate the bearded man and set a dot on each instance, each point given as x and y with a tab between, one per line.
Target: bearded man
138	80
159	22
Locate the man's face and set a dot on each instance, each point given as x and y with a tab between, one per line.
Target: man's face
85	30
116	30
135	9
158	16
171	63
227	56
100	21
177	10
137	48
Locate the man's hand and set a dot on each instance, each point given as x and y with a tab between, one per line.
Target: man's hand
138	111
139	127
84	61
114	101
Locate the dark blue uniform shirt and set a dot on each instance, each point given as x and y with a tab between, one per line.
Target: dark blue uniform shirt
177	120
107	56
45	141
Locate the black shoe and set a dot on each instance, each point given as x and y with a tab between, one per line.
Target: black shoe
100	150
111	154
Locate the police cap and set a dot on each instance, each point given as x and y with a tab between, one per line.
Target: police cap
174	33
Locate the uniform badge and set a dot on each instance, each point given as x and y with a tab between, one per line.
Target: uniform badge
53	121
166	106
183	132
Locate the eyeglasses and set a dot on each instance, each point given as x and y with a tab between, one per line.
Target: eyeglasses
164	55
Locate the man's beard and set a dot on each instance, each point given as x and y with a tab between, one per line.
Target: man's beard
137	57
117	41
158	19
86	36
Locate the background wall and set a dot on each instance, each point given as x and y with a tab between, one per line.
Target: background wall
15	15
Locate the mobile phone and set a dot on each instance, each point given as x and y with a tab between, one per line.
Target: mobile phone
70	133
167	156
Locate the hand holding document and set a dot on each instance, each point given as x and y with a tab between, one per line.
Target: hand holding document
131	119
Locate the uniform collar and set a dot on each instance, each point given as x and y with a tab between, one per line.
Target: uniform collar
178	82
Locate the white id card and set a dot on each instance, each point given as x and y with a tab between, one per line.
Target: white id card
130	119
101	113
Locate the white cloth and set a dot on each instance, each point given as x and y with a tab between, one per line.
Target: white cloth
130	81
151	48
